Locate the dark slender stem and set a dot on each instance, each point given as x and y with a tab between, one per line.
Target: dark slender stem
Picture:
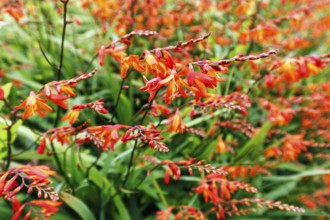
9	134
59	69
118	99
59	76
58	162
135	144
91	62
145	177
92	165
44	54
9	154
58	115
253	24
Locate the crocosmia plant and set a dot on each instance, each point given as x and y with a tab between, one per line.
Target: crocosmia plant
167	110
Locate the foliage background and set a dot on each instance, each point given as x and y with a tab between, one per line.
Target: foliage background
93	185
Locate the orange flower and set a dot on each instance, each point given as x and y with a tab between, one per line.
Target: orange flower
272	152
153	65
175	83
199	82
33	104
221	146
105	135
130	61
67	90
176	123
59	100
72	116
117	53
151	86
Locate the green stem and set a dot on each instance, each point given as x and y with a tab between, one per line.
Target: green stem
135	144
159	190
59	70
229	81
117	99
60	66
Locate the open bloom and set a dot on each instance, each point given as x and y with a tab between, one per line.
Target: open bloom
105	135
72	116
176	123
33	104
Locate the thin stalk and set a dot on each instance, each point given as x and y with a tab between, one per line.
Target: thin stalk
59	76
60	66
59	70
44	54
229	81
118	98
159	190
9	154
58	162
9	134
135	144
92	165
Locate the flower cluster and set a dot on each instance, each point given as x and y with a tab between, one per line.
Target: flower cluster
57	92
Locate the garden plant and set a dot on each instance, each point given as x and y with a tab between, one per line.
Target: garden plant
163	109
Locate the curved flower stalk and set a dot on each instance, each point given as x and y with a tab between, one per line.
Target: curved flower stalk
56	91
178	78
42	209
147	135
174	168
62	134
30	178
73	115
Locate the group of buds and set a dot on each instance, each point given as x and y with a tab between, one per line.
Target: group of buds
30	177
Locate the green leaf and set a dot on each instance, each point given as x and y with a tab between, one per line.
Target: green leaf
281	190
27	155
78	206
124	109
3	140
6	89
306	173
254	144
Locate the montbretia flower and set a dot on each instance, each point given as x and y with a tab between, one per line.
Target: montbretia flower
103	136
295	69
59	100
33	104
46	209
176	123
72	116
147	135
199	82
174	84
153	65
116	52
128	62
62	135
272	151
29	177
221	146
152	86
